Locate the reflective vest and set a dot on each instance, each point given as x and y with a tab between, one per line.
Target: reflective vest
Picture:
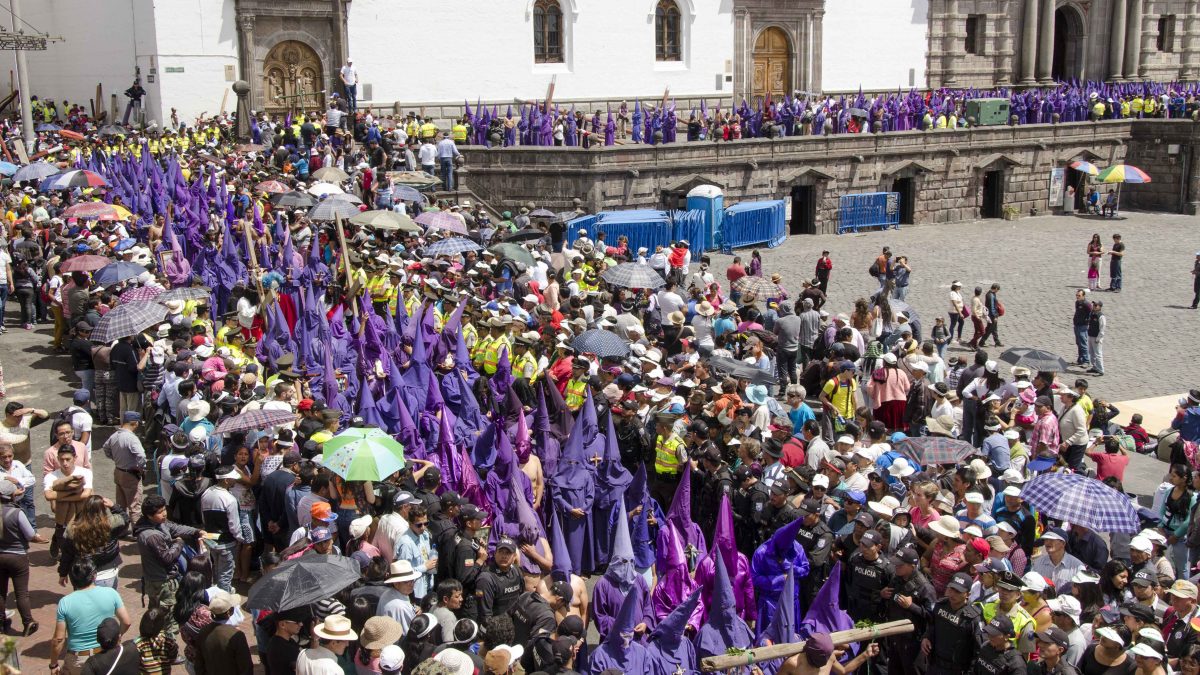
428	130
1019	615
481	346
666	455
491	356
470	336
576	393
378	287
459	133
524	361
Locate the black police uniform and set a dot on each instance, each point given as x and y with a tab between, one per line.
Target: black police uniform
496	590
533	626
954	636
775	517
748	505
465	569
714	486
817	542
861	584
992	662
902	650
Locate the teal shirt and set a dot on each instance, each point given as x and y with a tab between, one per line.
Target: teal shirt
83	611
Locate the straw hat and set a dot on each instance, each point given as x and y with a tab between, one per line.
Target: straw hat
379	632
401	570
705	309
946	526
335	627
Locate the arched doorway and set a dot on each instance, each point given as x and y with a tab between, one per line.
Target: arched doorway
1068	44
772	65
293	79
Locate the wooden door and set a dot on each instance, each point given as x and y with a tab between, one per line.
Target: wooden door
772	65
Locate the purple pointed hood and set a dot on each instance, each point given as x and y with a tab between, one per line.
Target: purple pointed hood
680	516
671	567
724	629
666	642
621	571
558	547
619	650
825	614
612	474
470	488
783	625
545	445
522	441
575	469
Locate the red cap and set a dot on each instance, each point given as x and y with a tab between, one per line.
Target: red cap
305	404
981	546
198	340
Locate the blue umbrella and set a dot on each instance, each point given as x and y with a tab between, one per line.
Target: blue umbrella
451	246
117	272
1084	501
47	126
407	194
602	343
8	168
35	171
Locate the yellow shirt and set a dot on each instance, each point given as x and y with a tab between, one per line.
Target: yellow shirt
842	396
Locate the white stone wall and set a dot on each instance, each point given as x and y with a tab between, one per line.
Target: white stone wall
455	49
105	43
874	44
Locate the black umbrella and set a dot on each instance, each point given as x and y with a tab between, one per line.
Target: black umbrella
633	275
293	200
1037	360
602	343
527	234
330	209
857	112
541	213
302	581
741	370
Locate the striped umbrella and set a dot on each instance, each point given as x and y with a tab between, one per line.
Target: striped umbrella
141	293
272	186
128	319
406	193
255	419
79	178
1123	173
329	210
756	286
1086	167
602	343
633	275
186	294
90	210
936	450
8	168
440	220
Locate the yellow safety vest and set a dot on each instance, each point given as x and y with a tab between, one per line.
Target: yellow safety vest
470	335
459	132
377	286
576	393
666	455
524	361
481	346
428	130
491	357
1019	615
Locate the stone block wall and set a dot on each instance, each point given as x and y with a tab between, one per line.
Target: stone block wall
948	168
444	113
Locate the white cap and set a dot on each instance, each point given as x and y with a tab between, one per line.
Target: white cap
231	473
1141	544
1005	526
846	438
1034	582
1012	491
973	530
820	480
975	498
1142	649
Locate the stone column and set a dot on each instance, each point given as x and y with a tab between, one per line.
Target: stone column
1029	43
818	36
242	89
743	55
246	63
803	38
1116	42
1045	61
1191	26
949	46
1133	41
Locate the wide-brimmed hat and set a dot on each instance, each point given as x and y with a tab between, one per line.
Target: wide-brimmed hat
947	526
901	468
335	627
756	394
401	570
197	410
981	469
943	424
379	632
705	309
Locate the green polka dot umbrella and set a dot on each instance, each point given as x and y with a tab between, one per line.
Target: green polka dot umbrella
361	453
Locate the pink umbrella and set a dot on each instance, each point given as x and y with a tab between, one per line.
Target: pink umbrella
141	293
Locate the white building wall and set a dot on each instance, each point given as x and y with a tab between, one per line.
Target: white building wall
462	49
874	44
199	36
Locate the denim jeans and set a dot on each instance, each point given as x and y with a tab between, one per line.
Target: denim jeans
1115	275
222	557
88	378
26	505
900	293
447	173
787	368
956	319
1081	344
3	301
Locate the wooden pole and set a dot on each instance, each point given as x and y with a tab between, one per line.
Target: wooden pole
341	235
783	651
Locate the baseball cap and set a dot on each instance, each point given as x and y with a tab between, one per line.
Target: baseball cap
960	582
506	542
906	556
1183	588
391	657
1138	611
131	416
563	590
451	498
1109	633
405	498
1053	635
1033	582
974	498
809	507
322	511
999	625
820	480
81	396
1067	605
319	534
1143	578
870	538
471	512
1054	533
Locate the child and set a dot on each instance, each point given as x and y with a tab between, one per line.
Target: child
1141	437
941	336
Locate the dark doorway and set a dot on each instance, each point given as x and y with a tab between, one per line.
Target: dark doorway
907	188
993	195
1068	44
674	200
1075	179
804	210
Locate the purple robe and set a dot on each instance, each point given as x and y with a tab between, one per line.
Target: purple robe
671	567
619	650
725	548
667	651
574	487
680	516
777	559
724	628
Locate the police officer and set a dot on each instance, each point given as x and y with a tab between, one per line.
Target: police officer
534	623
997	656
817	540
1008	602
669	455
951	636
716	482
748	500
444	533
1052	645
468	556
499	585
868	573
778	511
910	597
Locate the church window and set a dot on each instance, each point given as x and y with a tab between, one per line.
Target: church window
666	31
547	32
1166	33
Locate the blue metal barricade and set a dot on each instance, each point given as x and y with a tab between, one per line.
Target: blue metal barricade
871	209
751	223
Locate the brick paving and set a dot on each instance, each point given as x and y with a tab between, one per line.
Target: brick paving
1039	262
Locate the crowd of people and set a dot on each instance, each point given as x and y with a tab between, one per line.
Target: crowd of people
612	460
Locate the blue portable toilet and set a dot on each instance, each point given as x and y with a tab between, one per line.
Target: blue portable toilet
709	200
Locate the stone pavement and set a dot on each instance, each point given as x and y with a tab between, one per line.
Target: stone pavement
1039	262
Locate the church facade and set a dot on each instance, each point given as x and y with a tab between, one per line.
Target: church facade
188	54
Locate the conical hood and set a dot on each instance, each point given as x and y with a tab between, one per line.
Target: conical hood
575	469
561	570
669	632
612	474
783	624
724	539
628	618
621	571
825	614
724	628
783	542
680	513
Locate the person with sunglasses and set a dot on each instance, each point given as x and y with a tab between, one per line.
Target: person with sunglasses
416	547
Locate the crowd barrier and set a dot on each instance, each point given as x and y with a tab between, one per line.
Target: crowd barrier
645	228
871	209
753	223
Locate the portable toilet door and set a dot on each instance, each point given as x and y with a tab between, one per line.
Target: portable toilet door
711	201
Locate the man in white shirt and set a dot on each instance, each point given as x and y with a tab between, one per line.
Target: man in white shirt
65	488
18	474
350	82
396	602
427	156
